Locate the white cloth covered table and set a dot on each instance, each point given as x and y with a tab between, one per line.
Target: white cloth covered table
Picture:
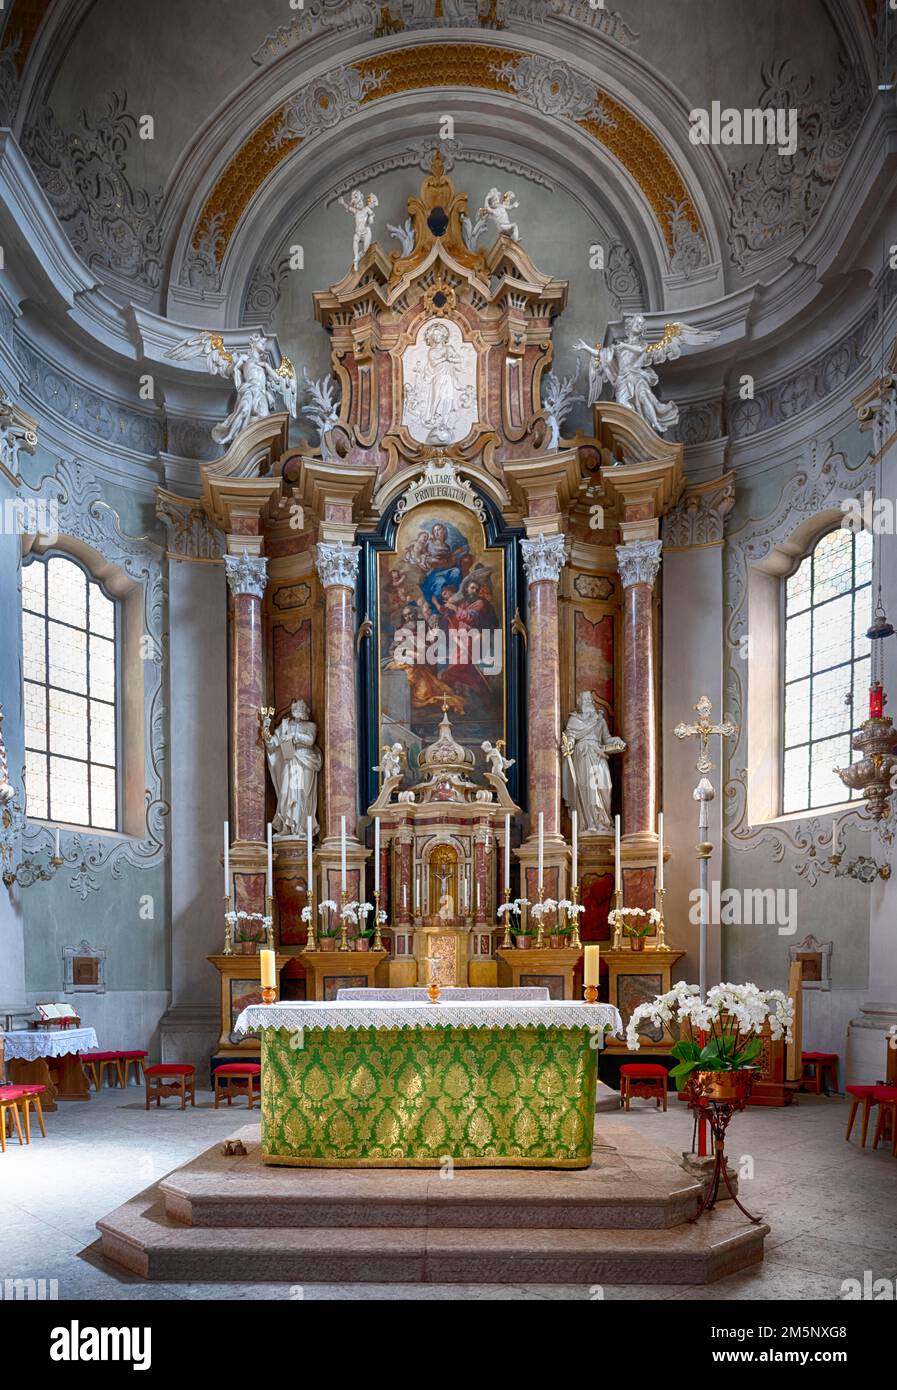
29	1045
448	994
377	1014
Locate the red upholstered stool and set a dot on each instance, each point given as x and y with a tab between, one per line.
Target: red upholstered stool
10	1097
647	1079
26	1096
864	1095
102	1060
886	1096
170	1079
818	1063
237	1078
137	1058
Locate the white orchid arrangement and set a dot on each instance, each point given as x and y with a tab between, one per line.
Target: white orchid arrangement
235	918
382	916
514	907
305	914
546	905
619	917
723	1026
356	911
326	907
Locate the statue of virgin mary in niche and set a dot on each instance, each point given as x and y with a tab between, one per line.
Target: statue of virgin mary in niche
439	393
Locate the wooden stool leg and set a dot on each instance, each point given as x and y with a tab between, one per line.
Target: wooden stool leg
3	1111
147	1080
27	1108
854	1107
183	1093
663	1092
193	1089
16	1121
880	1124
249	1084
217	1091
40	1114
122	1080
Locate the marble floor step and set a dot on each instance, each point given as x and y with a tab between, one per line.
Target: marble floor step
140	1237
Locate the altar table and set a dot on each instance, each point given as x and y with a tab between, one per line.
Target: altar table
385	1085
50	1057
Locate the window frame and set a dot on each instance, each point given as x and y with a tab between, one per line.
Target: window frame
850	665
43	557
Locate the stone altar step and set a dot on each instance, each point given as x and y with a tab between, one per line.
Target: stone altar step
622	1221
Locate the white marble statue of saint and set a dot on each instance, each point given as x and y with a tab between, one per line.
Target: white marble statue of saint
586	743
294	762
439	392
627	367
362	211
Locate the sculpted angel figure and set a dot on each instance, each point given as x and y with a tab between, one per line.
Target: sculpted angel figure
498	763
294	762
497	206
390	764
362	211
586	783
627	367
257	381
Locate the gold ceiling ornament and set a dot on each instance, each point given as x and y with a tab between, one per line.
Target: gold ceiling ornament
440	65
436	218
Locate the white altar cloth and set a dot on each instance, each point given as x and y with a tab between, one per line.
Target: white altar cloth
27	1045
488	1014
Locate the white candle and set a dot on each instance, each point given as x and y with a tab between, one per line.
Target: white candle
404	895
226	859
660	850
268	969
575	824
478	897
618	873
376	854
270	865
507	856
342	853
541	848
57	845
591	958
309	869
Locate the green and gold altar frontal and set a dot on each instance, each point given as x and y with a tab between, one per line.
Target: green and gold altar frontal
414	1086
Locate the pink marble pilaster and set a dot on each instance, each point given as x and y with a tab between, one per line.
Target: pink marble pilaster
638	563
543	559
338	568
246	577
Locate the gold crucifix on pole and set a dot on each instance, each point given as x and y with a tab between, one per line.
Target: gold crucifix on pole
703	728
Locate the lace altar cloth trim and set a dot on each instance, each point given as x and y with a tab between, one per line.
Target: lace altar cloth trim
28	1045
566	1014
451	994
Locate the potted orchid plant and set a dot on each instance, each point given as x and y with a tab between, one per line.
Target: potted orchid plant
248	937
635	923
327	907
717	1058
355	914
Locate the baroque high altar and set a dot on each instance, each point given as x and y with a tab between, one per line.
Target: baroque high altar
417	607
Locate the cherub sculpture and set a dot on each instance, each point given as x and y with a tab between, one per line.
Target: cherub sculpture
390	764
362	211
495	209
627	367
257	381
498	763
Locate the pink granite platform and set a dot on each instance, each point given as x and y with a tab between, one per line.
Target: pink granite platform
624	1220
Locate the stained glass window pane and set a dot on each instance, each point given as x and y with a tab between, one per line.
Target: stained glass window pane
69	646
827	609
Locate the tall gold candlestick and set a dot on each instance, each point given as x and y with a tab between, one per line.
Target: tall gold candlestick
618	921
575	941
506	939
661	942
378	940
311	943
343	924
540	930
269	929
228	928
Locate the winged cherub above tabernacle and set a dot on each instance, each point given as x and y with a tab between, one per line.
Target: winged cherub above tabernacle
257	381
628	367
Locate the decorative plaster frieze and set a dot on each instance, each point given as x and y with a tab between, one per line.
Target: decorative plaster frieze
323	104
689	252
202	269
778	197
112	225
246	574
92	415
639	562
700	517
10	84
81	514
544	557
337	564
623	279
552	87
699	422
823	480
191	536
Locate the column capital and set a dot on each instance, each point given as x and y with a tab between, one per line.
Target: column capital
246	574
544	557
337	564
639	562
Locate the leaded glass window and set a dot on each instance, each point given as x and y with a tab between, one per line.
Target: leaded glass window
828	607
69	637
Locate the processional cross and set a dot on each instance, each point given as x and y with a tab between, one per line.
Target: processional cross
703	729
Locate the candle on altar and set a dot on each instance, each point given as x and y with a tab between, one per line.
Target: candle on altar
342	853
618	872
226	859
376	854
404	895
267	965
574	821
270	887
309	870
591	957
478	897
541	849
507	856
57	844
660	851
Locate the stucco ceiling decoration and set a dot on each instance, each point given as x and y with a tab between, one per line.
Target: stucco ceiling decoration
552	88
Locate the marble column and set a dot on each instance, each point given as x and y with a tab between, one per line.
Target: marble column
246	579
482	845
544	556
639	563
337	566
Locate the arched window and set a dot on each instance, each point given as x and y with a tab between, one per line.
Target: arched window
70	631
828	607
